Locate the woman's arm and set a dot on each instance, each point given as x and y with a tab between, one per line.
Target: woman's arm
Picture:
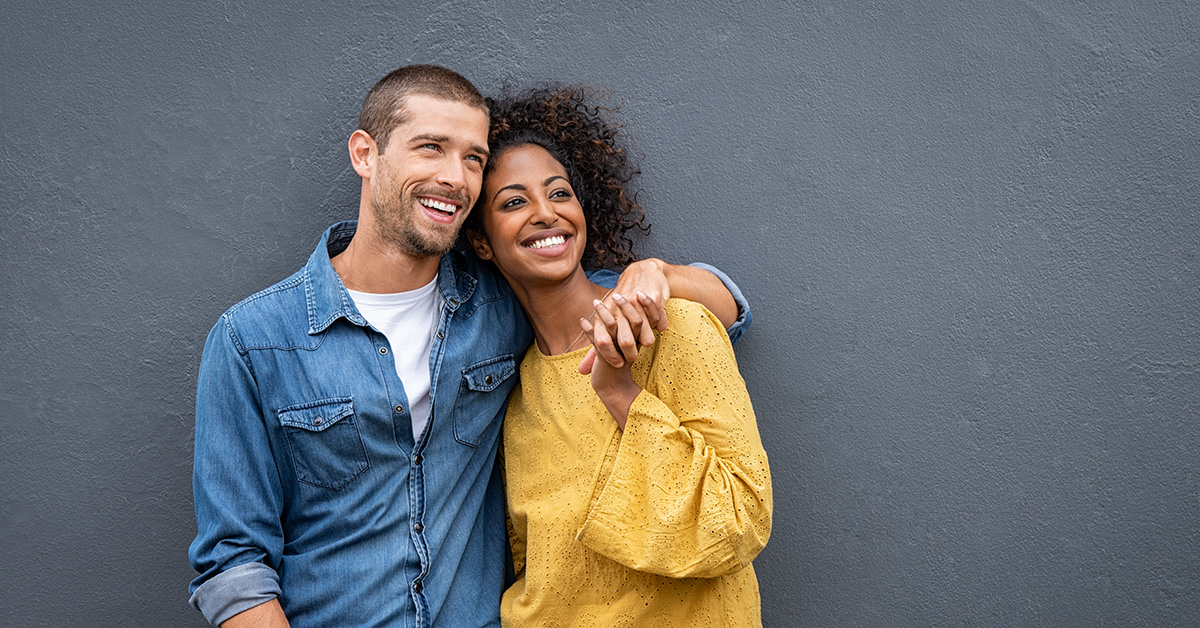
685	489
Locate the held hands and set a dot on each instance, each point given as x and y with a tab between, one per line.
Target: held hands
614	384
622	325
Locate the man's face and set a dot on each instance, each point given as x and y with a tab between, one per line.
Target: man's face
429	175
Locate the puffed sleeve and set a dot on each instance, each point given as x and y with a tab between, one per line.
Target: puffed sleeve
685	491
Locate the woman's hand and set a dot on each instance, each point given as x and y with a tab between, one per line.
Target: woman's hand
626	326
613	384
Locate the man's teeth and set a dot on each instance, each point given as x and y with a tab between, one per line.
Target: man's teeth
438	205
551	241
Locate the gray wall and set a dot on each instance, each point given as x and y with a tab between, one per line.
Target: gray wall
968	229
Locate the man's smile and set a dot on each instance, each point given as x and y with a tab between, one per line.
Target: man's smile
444	206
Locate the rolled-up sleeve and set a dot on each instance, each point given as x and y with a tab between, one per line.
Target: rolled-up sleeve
744	318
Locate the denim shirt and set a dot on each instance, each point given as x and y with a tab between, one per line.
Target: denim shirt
308	484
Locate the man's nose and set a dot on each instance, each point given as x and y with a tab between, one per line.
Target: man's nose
453	173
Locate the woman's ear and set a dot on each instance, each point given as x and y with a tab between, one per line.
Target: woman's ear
479	243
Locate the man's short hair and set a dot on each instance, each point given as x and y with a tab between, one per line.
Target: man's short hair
383	108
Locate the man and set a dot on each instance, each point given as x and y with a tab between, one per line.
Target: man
347	418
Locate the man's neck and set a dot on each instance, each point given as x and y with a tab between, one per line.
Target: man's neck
370	265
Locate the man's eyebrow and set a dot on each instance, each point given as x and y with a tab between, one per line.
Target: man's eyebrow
445	139
430	137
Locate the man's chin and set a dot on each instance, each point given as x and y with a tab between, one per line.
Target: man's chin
421	246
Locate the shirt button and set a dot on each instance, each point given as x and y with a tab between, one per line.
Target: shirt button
417	527
399	409
453	301
487	381
417	586
440	335
417	459
382	350
318	421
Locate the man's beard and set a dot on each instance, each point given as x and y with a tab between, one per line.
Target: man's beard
398	225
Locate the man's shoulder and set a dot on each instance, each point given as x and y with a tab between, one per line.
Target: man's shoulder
485	281
270	316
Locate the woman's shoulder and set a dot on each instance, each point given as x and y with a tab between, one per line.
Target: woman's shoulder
691	320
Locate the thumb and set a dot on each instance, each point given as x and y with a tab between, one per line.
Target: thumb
585	367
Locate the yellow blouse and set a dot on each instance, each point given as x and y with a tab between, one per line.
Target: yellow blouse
652	527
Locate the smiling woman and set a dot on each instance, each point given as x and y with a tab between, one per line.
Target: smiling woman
640	494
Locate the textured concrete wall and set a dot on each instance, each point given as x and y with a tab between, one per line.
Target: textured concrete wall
969	231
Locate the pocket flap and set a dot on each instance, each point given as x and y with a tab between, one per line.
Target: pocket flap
316	416
487	375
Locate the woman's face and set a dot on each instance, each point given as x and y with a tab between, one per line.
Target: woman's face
533	224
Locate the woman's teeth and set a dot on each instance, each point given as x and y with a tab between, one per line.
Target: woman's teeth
547	242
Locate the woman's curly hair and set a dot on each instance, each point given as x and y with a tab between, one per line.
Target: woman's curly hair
576	131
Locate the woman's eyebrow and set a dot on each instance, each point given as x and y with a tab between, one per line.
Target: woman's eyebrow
511	186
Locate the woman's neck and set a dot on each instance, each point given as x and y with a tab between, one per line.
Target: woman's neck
554	311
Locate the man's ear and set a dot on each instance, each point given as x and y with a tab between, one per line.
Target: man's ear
362	153
479	242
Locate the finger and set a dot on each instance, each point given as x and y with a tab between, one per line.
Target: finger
585	367
656	312
642	331
626	342
602	340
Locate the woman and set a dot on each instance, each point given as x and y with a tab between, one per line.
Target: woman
637	495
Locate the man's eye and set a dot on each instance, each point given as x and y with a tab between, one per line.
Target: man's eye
430	146
475	158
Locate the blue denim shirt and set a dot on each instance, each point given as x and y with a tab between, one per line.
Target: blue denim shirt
308	484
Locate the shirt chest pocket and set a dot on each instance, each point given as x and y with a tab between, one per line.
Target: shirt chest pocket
481	397
325	445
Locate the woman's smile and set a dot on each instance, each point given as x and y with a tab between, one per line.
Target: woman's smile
531	216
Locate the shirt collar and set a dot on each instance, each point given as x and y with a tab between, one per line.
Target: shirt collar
326	295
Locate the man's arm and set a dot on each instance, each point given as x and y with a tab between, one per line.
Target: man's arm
265	615
237	493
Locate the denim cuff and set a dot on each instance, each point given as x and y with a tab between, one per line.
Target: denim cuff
744	318
238	589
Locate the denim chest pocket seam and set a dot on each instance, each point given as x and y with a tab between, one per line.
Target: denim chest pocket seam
478	380
324	442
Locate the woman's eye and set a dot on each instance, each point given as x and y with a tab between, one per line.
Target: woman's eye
512	202
560	194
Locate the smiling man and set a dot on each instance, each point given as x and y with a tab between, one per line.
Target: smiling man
347	418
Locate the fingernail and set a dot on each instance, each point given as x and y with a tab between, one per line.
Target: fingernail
595	302
618	298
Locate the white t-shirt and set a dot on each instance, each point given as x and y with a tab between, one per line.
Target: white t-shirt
408	320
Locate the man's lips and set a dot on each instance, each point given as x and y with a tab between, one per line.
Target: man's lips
440	208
